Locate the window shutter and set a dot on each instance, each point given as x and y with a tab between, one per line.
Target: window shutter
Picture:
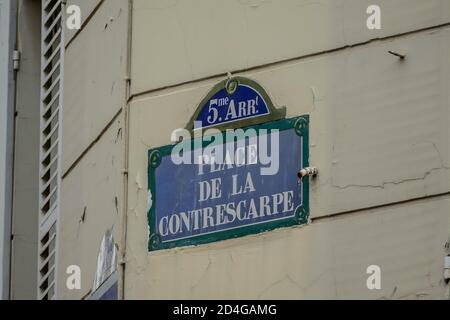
52	54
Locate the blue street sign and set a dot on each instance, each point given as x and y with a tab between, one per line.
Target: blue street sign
225	107
204	201
233	103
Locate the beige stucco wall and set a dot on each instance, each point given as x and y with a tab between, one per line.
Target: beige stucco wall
325	260
95	79
88	9
91	204
379	127
177	41
93	151
379	136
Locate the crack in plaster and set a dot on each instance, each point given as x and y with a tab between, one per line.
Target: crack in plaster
202	275
397	182
286	277
401	181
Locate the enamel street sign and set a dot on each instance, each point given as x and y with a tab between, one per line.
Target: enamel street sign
229	183
235	103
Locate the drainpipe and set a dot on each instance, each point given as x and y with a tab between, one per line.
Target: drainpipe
125	110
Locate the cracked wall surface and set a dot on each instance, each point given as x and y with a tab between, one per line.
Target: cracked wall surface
325	260
179	41
91	204
379	136
88	9
379	127
95	79
93	151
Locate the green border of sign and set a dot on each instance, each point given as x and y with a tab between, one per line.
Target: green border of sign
301	126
